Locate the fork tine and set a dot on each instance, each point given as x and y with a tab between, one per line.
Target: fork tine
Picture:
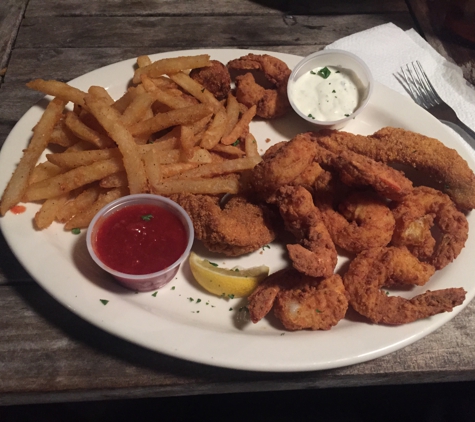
430	90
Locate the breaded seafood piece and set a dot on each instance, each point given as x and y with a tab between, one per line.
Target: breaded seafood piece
300	302
239	227
428	155
415	217
389	266
315	254
270	102
214	78
282	164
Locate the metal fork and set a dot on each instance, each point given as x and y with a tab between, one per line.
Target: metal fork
417	84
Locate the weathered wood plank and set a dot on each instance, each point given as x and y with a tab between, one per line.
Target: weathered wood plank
11	14
74	361
430	17
209	7
195	32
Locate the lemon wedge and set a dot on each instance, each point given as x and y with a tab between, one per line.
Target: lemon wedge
226	282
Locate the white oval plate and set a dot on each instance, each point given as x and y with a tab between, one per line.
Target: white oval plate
184	321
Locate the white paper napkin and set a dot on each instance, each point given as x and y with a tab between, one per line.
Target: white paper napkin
386	48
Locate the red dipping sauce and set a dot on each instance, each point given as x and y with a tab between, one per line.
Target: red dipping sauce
140	239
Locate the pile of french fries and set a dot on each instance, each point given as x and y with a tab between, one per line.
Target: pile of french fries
167	134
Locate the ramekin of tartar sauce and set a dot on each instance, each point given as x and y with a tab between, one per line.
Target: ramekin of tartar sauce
330	87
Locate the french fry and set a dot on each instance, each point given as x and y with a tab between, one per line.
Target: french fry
137	109
114	180
44	171
172	65
198	186
229	149
200	155
172	101
122	137
101	92
219	169
81	202
18	183
123	102
85	133
196	89
250	146
216	129
187	142
48	211
82	220
169	170
153	167
73	179
241	127
143	61
70	160
232	110
58	89
182	116
62	136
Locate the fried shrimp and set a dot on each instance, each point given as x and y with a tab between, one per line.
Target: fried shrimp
416	215
284	163
315	254
271	102
363	221
358	170
238	228
300	302
378	267
427	155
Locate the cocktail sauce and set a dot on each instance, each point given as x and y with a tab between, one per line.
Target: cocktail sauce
140	239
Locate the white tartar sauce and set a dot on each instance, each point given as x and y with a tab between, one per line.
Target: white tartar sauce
327	93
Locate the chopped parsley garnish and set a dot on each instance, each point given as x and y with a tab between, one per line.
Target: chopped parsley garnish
312	72
147	217
310	115
333	91
230	309
347	115
266	247
231	296
235	143
154	294
236	269
173	288
76	230
104	301
198	300
191	299
318	311
324	72
213	264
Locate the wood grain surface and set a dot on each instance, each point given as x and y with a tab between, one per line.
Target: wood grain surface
47	353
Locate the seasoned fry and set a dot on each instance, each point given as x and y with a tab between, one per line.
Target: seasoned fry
73	179
85	133
81	202
172	65
196	89
119	133
115	180
19	181
187	142
48	211
229	149
241	127
199	186
44	171
59	89
216	129
182	116
232	111
82	220
250	146
143	61
218	169
70	160
136	110
152	167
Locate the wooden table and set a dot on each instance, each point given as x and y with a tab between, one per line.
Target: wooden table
48	354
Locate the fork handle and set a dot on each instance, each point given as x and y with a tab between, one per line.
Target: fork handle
467	129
